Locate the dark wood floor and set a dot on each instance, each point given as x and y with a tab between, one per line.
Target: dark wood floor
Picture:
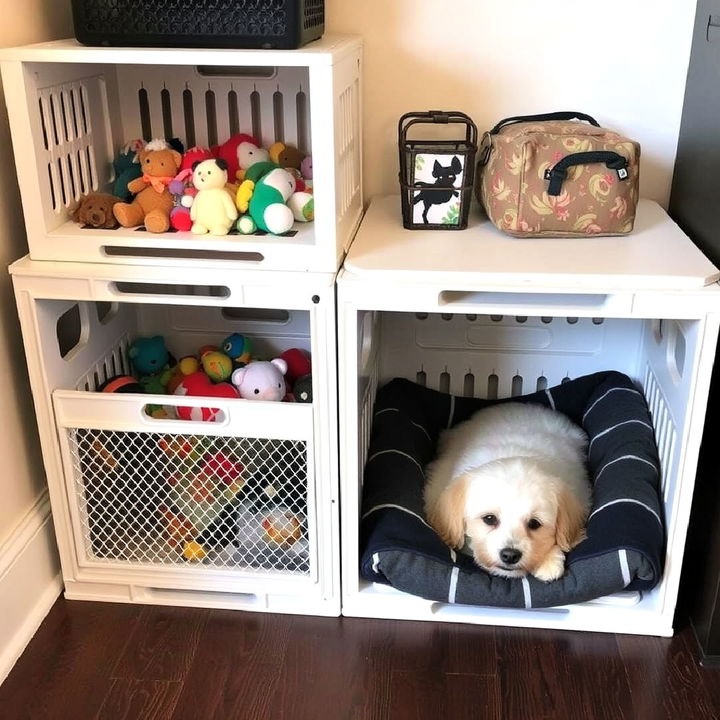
98	660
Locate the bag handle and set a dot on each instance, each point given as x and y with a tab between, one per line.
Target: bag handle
558	173
438	117
542	117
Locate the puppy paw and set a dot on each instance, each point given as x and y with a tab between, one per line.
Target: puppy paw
552	568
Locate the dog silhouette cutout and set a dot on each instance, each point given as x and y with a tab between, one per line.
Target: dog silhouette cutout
436	194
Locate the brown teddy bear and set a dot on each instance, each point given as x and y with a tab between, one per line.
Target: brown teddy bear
96	210
153	202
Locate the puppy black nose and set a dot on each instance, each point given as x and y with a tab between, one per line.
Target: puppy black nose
510	555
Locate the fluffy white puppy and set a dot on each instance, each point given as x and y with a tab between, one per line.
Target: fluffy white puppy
510	486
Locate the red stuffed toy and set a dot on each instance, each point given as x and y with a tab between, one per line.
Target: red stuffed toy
198	384
228	152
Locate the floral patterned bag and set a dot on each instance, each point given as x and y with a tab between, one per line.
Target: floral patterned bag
550	175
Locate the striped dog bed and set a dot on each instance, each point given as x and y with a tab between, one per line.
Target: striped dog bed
624	547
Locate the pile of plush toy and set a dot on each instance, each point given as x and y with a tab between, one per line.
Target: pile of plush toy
218	510
237	185
227	371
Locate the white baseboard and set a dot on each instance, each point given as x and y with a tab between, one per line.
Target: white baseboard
30	581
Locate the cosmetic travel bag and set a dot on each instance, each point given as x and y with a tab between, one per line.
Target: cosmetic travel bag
558	174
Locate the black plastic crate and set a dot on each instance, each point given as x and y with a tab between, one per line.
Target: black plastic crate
283	24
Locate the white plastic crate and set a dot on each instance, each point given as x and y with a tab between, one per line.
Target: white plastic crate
132	495
72	108
466	313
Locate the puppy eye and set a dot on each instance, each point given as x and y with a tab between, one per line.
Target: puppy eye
534	524
490	520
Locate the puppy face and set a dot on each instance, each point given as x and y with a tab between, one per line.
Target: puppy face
516	516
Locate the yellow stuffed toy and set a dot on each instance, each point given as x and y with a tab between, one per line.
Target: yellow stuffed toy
213	210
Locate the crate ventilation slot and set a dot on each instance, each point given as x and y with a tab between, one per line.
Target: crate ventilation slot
68	142
472	384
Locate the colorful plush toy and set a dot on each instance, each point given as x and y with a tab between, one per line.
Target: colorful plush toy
218	466
237	347
298	364
282	527
182	189
230	152
302	205
261	380
96	210
268	205
286	156
120	384
217	365
302	389
248	155
185	366
199	385
306	170
153	202
148	355
127	168
213	210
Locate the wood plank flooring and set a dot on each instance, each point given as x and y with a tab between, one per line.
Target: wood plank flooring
130	662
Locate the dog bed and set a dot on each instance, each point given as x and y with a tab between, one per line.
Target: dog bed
624	547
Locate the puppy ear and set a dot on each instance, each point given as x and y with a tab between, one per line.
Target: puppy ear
570	525
447	515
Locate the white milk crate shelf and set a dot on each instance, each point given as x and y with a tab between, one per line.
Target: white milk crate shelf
134	496
488	315
72	108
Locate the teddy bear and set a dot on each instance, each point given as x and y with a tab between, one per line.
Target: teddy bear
213	210
182	189
286	156
153	202
261	380
96	210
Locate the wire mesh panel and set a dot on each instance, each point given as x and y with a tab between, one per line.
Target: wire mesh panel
153	498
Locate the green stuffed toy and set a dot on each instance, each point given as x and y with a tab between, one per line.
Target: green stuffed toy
268	205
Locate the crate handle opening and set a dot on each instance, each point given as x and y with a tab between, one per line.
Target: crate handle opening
148	288
510	299
173	253
237	71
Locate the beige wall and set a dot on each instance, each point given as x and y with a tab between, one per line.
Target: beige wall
624	62
22	476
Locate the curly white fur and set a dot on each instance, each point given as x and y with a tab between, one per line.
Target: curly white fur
510	484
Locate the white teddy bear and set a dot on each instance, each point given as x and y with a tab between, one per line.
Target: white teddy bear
213	210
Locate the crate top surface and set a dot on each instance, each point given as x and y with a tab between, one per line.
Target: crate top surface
328	50
657	255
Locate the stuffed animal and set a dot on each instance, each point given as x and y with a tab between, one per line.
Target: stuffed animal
302	389
230	152
126	166
306	170
96	210
237	348
302	205
286	156
268	206
182	189
261	380
185	366
153	202
248	155
217	365
120	384
198	384
149	355
213	210
298	364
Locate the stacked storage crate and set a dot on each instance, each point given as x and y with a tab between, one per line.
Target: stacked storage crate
479	314
120	478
